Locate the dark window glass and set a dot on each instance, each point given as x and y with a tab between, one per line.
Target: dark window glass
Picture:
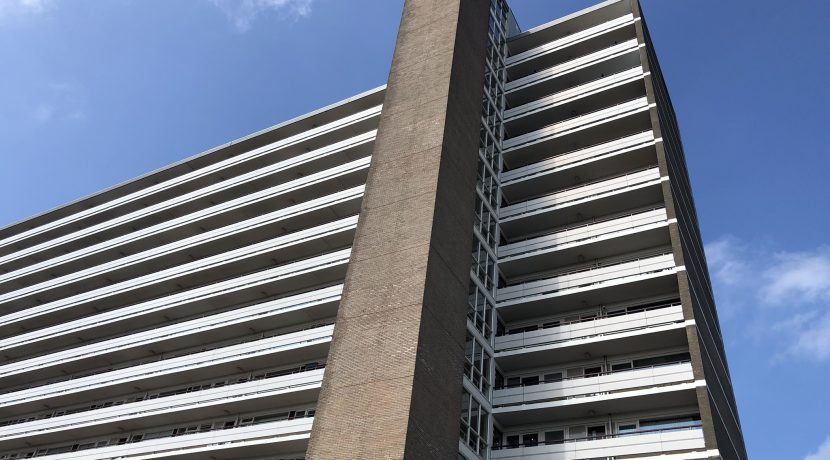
530	439
554	437
593	371
620	367
553	377
596	432
534	380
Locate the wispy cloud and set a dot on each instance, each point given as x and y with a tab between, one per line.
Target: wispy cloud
822	453
57	102
243	13
785	294
20	8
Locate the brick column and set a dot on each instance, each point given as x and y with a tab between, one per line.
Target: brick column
392	386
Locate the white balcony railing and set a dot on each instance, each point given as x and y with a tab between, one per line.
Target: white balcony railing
590	275
270	246
212	211
573	65
282	272
612	382
153	407
264	434
576	92
569	40
580	122
290	212
592	153
206	323
592	190
589	329
583	234
202	172
159	366
613	446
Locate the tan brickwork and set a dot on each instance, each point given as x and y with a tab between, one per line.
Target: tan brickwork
392	387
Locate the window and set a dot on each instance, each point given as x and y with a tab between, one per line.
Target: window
532	380
553	377
660	360
596	432
576	432
593	371
513	381
554	437
618	367
626	427
512	441
530	439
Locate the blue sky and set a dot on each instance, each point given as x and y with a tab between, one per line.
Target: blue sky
93	93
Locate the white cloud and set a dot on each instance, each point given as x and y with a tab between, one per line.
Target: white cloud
798	277
822	453
57	102
242	13
17	8
42	113
812	339
779	296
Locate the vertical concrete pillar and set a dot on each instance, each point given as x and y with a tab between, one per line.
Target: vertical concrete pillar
392	387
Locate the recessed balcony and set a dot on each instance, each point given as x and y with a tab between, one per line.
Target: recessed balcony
289	390
649	388
248	206
262	440
162	371
296	276
582	203
263	254
584	98
608	237
603	282
660	443
608	159
124	258
582	131
328	135
629	333
610	60
566	48
284	312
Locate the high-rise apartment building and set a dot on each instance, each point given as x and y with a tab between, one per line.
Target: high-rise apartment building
494	256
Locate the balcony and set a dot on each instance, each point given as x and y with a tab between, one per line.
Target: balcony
612	236
629	191
606	383
584	98
589	67
629	333
263	254
109	255
219	215
302	346
317	138
304	274
651	388
616	157
615	446
576	44
285	437
288	390
283	312
586	130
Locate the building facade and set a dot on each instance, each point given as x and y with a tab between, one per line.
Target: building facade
494	256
